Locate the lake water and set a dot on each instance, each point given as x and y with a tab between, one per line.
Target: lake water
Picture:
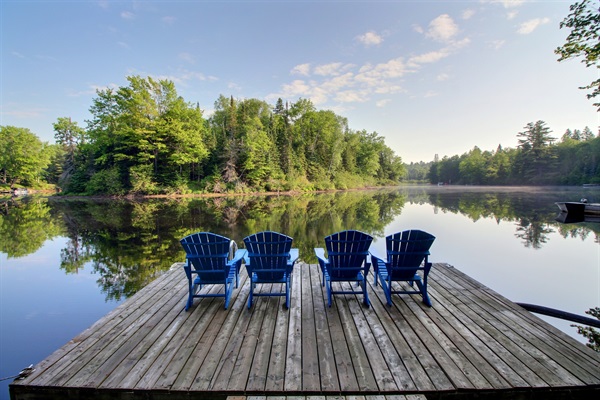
65	263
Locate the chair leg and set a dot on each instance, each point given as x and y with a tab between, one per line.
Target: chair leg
423	289
228	290
387	290
287	293
252	286
329	292
366	294
189	302
191	292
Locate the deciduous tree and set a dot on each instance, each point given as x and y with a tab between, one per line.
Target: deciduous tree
583	40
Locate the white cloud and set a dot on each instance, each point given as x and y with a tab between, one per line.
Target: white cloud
351	96
418	28
297	88
428	58
443	77
388	89
529	26
442	29
302	69
394	68
382	103
370	39
127	15
496	44
512	14
187	57
123	45
339	82
468	13
169	20
510	3
17	54
327	69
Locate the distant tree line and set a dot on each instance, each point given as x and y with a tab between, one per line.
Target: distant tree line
539	159
145	139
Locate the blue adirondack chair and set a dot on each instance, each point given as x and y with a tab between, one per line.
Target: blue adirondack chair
270	259
346	261
211	259
407	253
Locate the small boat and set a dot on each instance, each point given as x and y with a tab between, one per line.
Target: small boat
579	208
567	218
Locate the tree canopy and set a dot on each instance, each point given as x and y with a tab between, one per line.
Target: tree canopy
22	156
583	40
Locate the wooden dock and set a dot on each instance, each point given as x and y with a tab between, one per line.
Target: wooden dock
472	343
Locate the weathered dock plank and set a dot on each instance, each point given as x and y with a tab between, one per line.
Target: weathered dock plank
472	342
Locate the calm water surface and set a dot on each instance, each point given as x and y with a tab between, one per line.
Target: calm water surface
65	263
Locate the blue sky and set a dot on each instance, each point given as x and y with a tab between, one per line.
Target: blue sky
432	77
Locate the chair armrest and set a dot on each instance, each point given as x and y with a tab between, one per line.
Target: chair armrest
239	255
320	253
294	255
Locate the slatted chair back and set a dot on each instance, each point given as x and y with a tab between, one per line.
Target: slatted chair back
347	251
268	254
406	251
208	254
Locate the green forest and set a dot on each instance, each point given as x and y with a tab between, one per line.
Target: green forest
146	139
539	159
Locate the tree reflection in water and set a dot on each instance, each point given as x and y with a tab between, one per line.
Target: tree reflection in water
130	242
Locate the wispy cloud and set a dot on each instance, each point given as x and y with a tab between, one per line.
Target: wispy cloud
187	57
382	103
442	29
529	26
370	39
332	69
169	20
302	69
351	96
24	113
510	3
428	58
127	15
496	44
468	13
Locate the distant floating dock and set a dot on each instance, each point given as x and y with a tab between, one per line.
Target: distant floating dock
472	343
